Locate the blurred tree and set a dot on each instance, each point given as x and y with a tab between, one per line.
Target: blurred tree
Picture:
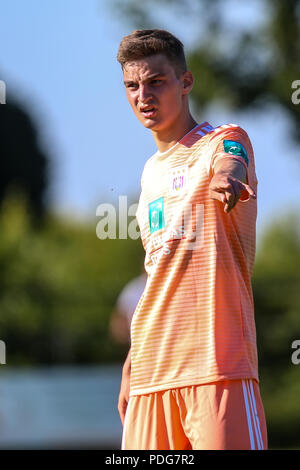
58	287
24	165
234	62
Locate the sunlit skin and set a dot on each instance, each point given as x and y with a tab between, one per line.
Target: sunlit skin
159	98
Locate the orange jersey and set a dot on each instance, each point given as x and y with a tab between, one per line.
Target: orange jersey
194	322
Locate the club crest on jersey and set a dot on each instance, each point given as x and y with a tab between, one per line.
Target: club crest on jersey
156	215
178	180
236	148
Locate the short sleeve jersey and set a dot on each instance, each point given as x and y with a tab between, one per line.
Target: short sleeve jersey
194	322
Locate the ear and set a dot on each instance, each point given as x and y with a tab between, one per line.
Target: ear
187	82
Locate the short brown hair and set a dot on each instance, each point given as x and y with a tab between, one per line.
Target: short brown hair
144	43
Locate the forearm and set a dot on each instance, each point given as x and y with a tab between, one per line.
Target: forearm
125	387
232	168
127	364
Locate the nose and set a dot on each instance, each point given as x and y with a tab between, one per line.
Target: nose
144	93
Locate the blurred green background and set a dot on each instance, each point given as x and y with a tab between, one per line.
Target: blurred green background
59	283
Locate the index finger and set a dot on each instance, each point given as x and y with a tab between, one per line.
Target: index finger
248	189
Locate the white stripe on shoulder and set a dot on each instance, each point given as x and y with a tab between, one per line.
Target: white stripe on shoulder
223	127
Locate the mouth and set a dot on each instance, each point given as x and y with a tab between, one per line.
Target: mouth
148	112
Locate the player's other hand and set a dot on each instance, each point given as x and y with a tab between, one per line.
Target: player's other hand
228	190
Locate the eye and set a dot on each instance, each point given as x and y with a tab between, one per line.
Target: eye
132	86
156	81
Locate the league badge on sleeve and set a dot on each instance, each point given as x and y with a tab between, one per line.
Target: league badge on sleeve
236	148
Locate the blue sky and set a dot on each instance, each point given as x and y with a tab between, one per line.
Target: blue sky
59	58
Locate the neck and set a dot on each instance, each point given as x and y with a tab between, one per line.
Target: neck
166	138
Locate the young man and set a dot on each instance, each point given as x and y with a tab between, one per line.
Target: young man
190	380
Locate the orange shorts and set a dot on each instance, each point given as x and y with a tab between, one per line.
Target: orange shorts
225	415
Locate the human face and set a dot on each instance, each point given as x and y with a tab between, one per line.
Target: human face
154	91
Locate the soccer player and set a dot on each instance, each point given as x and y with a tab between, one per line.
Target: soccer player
190	380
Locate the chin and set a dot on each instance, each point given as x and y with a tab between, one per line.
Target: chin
156	126
150	124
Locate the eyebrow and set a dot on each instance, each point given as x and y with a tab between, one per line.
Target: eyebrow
154	75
